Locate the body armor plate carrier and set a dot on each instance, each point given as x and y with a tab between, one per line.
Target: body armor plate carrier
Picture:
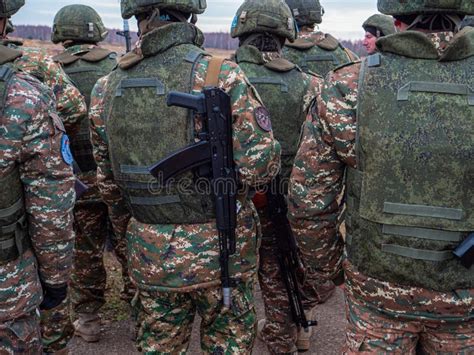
410	201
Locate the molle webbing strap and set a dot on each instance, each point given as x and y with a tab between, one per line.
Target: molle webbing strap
10	211
438	88
419	254
322	58
78	70
270	81
422	233
154	201
213	71
140	83
423	211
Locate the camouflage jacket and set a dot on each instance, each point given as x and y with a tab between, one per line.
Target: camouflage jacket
70	104
180	258
328	145
31	136
317	52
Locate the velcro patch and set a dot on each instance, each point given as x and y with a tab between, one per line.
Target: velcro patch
66	150
262	116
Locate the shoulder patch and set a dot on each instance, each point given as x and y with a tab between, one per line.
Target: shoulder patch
329	43
280	65
66	150
65	58
129	60
96	55
300	43
262	116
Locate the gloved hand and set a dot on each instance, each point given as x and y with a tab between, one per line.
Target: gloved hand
53	296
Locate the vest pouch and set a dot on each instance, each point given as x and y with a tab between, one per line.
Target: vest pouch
413	194
183	200
13	227
143	130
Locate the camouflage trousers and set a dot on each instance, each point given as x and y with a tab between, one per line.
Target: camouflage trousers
372	332
280	331
165	320
21	335
88	279
56	327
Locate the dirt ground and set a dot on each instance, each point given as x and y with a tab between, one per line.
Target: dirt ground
118	329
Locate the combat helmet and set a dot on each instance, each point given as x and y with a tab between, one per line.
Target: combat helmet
426	7
258	16
382	24
134	7
79	23
10	7
306	12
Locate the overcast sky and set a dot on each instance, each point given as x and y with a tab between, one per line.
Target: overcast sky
343	18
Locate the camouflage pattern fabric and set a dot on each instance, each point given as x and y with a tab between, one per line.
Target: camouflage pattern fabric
327	147
73	23
70	104
31	137
375	331
401	7
56	327
184	258
88	279
288	111
165	321
320	58
92	225
21	335
133	7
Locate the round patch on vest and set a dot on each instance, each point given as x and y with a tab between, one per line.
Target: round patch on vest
66	150
262	116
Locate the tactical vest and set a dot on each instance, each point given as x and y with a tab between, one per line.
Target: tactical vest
84	69
13	223
410	201
142	129
320	57
281	86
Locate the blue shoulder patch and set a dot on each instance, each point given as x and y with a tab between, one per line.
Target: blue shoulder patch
66	150
235	22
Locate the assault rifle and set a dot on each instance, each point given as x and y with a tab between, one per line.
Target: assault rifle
126	34
288	256
214	150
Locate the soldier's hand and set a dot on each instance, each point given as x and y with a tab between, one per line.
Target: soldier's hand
53	296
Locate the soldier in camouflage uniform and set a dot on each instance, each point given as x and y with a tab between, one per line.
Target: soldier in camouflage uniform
79	29
57	329
377	26
173	243
36	200
70	104
317	52
262	27
398	126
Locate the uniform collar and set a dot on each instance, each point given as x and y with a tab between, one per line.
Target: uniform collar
168	36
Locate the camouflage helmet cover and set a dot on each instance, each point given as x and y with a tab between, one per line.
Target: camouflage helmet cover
258	16
133	7
412	7
306	12
382	23
78	23
10	7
